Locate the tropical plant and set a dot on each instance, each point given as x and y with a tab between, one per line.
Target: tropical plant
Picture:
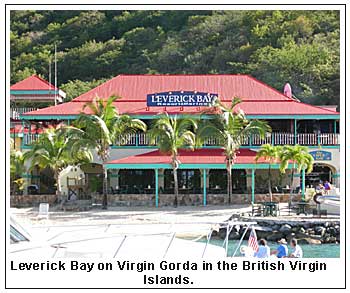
56	149
172	134
297	155
271	154
102	126
231	128
17	168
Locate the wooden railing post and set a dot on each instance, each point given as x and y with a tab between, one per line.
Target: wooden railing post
295	132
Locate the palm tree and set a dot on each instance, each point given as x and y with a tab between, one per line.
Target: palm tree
231	128
102	127
56	149
299	156
172	134
271	154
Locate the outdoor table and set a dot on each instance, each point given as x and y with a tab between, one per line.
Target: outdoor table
270	208
216	190
149	190
301	207
184	190
286	190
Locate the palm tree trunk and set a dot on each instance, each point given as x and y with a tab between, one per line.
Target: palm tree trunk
291	184
229	183
176	187
56	177
105	183
270	189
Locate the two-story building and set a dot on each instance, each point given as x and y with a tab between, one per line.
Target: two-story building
137	168
28	95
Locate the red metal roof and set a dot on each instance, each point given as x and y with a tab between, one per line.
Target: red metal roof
139	108
33	83
136	87
199	156
18	128
258	98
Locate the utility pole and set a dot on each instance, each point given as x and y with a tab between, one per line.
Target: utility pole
55	74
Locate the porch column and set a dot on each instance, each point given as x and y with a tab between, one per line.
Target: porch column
156	187
303	184
295	131
23	137
204	187
253	186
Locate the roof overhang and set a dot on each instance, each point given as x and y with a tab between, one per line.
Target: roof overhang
197	159
154	116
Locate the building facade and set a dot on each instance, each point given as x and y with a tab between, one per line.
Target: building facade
138	171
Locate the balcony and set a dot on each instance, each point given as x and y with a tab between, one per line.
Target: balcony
16	112
280	138
276	138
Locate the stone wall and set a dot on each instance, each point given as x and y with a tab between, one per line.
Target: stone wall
32	200
149	199
184	199
310	231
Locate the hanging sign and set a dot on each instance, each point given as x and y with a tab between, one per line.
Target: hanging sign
181	98
321	155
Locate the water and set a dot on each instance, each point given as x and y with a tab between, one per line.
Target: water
309	250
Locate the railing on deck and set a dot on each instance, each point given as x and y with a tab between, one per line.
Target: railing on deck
29	138
134	139
16	112
275	138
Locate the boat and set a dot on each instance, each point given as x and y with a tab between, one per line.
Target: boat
330	203
115	241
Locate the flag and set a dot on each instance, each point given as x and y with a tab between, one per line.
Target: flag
253	240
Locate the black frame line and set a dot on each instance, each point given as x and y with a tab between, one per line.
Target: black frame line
192	5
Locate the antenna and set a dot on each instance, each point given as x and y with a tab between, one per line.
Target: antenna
55	74
50	74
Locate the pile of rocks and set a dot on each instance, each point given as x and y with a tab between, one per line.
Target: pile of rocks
307	232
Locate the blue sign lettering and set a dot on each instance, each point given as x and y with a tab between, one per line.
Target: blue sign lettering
181	98
321	155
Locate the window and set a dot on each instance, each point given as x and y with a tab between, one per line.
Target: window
190	179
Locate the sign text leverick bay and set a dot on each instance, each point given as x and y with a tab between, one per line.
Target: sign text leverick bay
180	98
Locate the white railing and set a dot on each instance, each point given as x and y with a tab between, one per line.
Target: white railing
275	138
258	140
134	139
282	138
329	138
29	138
318	138
307	139
15	112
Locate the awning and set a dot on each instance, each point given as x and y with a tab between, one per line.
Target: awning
197	159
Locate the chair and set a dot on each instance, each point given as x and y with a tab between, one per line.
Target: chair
277	210
256	210
43	211
114	191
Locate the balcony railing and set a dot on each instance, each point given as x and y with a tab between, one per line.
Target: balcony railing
29	138
275	138
15	112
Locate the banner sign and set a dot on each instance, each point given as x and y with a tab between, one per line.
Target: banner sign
321	155
181	98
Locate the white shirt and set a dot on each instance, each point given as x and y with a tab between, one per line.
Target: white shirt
297	252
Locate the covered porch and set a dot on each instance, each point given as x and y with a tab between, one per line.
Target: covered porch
202	178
